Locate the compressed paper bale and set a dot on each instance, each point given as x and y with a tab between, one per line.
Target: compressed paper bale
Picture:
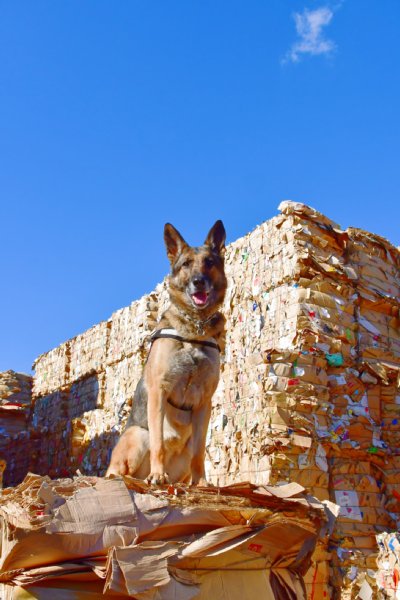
52	455
15	388
121	338
11	423
51	370
121	382
88	352
392	487
358	491
50	409
19	450
377	262
160	297
92	438
85	394
130	327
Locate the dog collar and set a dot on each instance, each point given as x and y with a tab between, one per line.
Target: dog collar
198	323
173	334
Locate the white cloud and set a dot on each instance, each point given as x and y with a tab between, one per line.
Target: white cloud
309	27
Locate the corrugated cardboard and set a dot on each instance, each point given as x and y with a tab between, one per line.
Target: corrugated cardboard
170	542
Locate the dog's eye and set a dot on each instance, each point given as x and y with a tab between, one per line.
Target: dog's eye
209	263
187	263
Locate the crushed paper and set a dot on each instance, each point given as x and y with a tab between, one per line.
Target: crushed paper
130	539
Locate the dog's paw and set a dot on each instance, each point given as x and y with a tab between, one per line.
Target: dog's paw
157	478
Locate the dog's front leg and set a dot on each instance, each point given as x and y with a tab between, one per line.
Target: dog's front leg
201	418
156	411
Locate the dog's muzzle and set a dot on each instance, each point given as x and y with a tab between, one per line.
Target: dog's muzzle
199	290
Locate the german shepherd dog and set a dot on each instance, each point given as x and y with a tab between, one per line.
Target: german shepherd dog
165	437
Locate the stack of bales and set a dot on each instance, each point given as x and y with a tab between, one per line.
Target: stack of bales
83	389
308	392
309	388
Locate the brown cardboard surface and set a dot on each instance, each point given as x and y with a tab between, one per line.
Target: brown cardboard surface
169	542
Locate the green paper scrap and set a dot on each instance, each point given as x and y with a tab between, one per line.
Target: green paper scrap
334	360
349	334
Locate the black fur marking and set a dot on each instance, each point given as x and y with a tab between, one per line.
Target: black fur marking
138	414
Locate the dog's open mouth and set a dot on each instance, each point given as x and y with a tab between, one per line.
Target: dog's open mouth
199	298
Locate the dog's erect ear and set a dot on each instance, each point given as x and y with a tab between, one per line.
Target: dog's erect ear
216	238
174	242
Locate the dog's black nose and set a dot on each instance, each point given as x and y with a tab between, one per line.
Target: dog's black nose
199	282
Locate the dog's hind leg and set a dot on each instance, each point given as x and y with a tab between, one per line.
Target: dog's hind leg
131	454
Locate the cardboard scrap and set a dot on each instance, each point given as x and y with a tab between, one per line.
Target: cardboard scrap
121	537
389	564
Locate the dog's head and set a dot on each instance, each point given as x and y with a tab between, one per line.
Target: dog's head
197	282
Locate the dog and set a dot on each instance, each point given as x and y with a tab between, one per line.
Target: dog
165	436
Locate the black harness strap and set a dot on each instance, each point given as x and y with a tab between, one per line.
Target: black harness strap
160	333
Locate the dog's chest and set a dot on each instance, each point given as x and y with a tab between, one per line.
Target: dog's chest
192	376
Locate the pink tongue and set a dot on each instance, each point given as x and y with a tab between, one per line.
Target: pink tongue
200	298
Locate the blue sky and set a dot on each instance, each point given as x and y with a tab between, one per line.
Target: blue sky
117	117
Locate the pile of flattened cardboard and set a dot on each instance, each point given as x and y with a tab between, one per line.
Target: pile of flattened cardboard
89	536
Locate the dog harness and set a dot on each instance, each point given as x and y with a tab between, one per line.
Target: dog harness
173	334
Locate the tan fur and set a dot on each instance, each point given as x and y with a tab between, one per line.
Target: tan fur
180	378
